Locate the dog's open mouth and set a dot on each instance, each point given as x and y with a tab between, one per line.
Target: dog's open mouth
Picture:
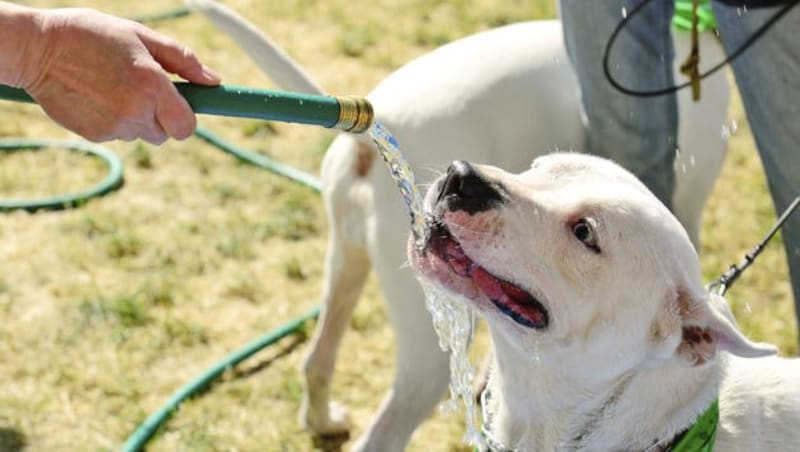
511	300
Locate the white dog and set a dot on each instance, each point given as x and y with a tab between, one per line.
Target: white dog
576	262
497	97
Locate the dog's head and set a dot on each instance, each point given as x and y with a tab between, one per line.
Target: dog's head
574	254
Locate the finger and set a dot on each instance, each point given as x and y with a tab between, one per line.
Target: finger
177	58
173	112
153	133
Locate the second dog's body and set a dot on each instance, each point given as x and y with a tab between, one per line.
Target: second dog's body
499	97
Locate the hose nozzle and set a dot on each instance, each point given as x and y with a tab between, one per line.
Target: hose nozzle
355	114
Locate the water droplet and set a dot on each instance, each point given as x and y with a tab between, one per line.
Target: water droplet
728	130
624	12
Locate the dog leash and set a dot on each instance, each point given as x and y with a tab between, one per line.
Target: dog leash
788	5
726	280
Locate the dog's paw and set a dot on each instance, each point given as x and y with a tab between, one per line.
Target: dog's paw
333	422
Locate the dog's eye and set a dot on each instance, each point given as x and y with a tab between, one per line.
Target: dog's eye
584	231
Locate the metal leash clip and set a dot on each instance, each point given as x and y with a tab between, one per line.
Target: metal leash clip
726	280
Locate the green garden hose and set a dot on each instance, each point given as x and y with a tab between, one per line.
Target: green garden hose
175	13
260	160
351	114
150	426
111	182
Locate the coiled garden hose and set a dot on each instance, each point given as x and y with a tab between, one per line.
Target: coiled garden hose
345	113
351	114
150	426
111	182
259	160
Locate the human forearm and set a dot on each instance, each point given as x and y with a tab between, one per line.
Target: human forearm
19	27
101	76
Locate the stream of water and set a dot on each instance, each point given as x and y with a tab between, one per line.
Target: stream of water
452	318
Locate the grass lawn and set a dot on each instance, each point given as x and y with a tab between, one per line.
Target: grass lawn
108	308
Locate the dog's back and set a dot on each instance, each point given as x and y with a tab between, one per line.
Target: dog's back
760	404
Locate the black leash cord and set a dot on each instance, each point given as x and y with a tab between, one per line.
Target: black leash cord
724	282
660	92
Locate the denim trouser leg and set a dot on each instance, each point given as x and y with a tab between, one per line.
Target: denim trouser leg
768	76
637	133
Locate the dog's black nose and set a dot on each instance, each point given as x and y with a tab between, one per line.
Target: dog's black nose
465	189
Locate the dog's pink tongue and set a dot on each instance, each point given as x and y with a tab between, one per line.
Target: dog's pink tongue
489	285
492	287
512	300
459	262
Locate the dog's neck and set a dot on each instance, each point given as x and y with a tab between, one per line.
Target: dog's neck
536	407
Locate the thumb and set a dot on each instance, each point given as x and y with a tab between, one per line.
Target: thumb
177	58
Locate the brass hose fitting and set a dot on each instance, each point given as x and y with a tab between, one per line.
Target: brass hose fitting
355	114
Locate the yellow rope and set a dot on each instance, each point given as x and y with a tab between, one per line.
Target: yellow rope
691	67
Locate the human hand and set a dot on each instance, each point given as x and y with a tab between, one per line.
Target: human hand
105	78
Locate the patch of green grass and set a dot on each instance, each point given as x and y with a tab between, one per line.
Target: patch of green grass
142	156
123	243
12	439
184	333
293	269
296	218
244	286
124	310
355	41
236	244
259	129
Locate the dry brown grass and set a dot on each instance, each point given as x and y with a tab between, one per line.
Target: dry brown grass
109	308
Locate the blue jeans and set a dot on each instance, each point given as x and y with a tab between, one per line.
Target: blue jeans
639	133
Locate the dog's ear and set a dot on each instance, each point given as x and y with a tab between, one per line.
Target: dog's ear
702	325
708	325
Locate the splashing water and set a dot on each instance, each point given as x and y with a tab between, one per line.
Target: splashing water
453	320
402	174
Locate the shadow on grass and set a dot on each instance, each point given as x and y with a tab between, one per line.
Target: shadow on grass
278	351
12	440
330	443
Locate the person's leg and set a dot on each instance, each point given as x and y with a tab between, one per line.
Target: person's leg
638	133
768	76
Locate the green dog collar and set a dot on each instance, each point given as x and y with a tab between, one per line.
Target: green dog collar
701	437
